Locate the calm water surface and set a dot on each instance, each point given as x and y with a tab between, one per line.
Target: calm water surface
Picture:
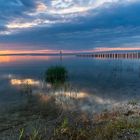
101	82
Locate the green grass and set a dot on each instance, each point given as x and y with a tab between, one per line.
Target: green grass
35	135
56	75
104	131
114	128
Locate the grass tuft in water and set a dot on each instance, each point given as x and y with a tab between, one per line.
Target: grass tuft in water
56	75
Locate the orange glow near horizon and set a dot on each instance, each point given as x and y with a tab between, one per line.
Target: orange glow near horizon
9	52
5	59
9	59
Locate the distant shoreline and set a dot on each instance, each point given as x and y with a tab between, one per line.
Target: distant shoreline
36	54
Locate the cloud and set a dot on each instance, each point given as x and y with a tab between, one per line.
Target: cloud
70	24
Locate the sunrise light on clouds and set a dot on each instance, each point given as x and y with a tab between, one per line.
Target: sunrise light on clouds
70	25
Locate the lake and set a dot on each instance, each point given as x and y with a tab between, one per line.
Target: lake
101	83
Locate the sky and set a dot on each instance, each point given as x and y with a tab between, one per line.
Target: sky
79	25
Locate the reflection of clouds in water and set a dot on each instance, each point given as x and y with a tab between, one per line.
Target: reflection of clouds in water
84	101
17	81
96	103
102	83
70	99
79	95
24	82
84	95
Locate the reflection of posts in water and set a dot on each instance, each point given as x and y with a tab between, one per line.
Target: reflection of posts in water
61	57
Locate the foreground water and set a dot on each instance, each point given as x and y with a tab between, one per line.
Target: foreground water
101	83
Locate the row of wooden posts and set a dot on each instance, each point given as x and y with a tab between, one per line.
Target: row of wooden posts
132	55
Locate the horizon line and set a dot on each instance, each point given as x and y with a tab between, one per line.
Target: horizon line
64	52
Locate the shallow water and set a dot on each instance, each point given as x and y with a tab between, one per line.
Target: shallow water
101	83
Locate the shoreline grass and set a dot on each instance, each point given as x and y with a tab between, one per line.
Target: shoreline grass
41	118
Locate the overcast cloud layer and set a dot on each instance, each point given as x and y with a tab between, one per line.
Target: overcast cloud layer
69	24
